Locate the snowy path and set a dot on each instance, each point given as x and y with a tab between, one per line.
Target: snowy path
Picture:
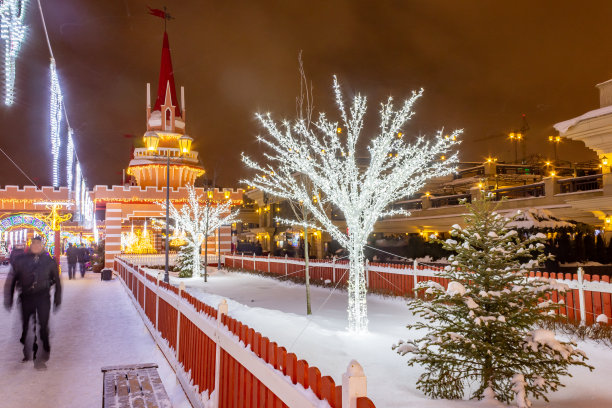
96	326
277	310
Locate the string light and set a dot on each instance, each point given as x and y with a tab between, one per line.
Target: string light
55	109
69	160
13	32
77	191
396	170
196	221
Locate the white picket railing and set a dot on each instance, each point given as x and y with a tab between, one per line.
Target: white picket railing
160	259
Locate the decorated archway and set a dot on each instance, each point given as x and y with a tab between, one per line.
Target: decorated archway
15	221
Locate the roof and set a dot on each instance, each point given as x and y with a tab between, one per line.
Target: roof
166	78
563	127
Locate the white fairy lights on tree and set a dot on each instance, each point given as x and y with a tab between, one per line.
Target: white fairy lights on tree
198	221
55	110
13	32
327	156
69	160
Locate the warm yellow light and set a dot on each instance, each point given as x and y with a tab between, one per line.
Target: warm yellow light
547	163
604	161
339	130
151	140
519	136
185	143
553	174
427	194
399	135
209	194
551	138
443	158
480	185
511	135
558	139
226	194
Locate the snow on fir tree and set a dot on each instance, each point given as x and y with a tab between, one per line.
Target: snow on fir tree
483	334
185	261
198	218
326	157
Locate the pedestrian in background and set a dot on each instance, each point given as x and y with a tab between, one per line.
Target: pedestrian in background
72	255
83	258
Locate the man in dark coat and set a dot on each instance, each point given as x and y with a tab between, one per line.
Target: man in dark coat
83	258
33	274
72	255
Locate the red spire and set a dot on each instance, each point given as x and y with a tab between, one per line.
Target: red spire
166	75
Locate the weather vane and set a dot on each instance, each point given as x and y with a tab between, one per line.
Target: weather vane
161	14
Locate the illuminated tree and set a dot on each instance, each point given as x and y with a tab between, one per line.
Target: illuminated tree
326	155
198	221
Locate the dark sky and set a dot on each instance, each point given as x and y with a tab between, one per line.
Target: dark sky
482	64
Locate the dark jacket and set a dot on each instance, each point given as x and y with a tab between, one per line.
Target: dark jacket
33	275
83	254
72	254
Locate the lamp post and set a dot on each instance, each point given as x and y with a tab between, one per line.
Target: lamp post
515	137
151	140
555	140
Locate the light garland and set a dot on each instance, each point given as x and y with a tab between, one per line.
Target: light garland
77	191
55	111
325	154
196	221
13	32
198	171
69	160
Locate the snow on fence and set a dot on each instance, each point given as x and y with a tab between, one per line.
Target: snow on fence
589	296
160	259
221	362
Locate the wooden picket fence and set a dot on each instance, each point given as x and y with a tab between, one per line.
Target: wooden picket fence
221	362
589	296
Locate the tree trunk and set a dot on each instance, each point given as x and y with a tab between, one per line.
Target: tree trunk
357	306
307	272
206	257
196	260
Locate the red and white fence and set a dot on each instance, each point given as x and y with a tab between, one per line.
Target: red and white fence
589	297
221	362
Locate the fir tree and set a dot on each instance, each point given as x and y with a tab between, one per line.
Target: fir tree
185	261
484	331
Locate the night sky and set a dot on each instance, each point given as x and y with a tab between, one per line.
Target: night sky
482	64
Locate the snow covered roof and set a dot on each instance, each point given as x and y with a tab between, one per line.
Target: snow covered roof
564	126
534	218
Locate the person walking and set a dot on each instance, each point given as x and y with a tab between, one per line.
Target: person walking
83	258
33	274
72	255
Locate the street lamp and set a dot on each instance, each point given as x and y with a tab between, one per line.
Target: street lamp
515	137
151	140
555	140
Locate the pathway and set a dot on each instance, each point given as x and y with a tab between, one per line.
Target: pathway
97	325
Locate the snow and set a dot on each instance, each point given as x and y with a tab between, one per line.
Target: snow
277	310
455	288
97	325
539	219
602	318
563	127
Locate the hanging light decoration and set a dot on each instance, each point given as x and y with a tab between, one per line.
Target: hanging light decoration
77	191
55	110
13	32
69	160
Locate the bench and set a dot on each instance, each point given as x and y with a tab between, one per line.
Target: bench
134	386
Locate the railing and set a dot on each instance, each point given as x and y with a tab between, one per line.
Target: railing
445	201
160	259
585	183
589	297
221	362
528	191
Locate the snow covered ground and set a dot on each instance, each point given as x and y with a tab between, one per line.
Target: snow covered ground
277	310
97	325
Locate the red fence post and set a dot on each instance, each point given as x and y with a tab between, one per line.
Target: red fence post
221	310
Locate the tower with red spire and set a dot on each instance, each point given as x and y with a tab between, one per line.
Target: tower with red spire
165	135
